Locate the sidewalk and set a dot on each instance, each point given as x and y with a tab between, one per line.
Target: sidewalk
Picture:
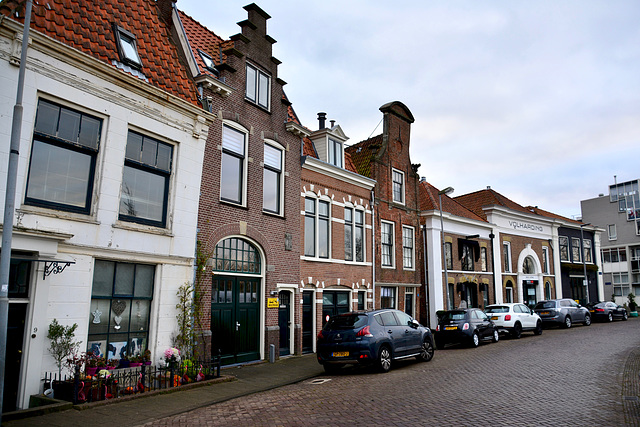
250	379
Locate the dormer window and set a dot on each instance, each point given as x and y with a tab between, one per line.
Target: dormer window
127	47
208	61
258	87
335	153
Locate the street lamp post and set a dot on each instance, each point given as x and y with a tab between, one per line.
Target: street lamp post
584	261
446	191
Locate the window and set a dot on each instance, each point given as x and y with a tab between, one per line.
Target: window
63	158
407	247
208	61
348	234
508	297
237	256
359	241
316	218
145	181
120	306
545	260
127	47
621	284
272	182
451	296
448	258
353	234
528	266
506	256
409	301
467	257
233	165
387	297
361	300
483	258
387	244
575	250
547	291
587	250
614	255
563	242
613	234
335	153
398	186
258	87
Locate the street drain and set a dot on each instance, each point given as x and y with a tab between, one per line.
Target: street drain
632	398
319	381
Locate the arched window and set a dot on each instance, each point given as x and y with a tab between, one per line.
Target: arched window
528	267
508	297
236	255
547	290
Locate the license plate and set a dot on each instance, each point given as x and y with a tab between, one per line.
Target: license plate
450	328
544	313
592	311
340	354
494	318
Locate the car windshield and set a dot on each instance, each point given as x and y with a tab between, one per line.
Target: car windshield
453	315
497	309
546	304
346	321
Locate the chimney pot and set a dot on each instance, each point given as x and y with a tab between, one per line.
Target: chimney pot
322	117
333	122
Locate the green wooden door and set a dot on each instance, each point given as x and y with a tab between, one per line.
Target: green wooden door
235	319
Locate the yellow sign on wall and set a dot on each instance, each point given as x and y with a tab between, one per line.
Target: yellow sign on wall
272	303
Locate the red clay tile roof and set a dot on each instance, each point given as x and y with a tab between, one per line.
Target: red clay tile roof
348	163
363	153
477	200
87	26
202	38
429	200
536	210
308	149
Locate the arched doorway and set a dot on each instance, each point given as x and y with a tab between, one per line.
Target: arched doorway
235	301
529	287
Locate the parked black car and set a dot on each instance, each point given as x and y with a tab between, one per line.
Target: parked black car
564	312
378	336
607	311
465	325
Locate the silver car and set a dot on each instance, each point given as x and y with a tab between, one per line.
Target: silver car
564	312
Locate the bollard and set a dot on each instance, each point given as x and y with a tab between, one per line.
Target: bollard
272	353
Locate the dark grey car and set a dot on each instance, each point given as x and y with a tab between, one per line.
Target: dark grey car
564	312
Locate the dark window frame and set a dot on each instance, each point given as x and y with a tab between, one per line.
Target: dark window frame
121	33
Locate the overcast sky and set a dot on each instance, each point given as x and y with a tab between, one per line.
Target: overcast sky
538	99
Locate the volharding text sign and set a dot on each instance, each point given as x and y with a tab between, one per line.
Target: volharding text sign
519	225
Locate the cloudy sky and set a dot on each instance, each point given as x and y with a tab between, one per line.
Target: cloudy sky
538	99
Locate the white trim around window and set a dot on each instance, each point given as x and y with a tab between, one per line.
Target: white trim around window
506	253
273	177
612	231
545	260
317	227
233	164
258	87
408	248
397	186
387	244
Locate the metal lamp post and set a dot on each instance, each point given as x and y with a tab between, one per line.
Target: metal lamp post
446	191
584	261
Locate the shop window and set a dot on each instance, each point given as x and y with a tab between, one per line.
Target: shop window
121	299
63	158
145	182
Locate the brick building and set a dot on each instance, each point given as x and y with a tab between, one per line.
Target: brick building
397	258
336	218
249	224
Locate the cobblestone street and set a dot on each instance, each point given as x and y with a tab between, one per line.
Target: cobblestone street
563	377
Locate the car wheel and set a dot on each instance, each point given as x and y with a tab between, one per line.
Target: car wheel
538	329
567	322
587	321
384	359
625	316
517	331
440	344
426	351
475	340
496	336
610	318
330	368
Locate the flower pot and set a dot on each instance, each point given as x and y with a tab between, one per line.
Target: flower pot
148	362
124	364
91	370
135	364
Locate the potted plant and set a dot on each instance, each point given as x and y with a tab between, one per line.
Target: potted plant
135	361
632	305
112	364
124	362
63	343
147	357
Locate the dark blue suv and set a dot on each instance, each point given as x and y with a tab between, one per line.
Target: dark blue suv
373	337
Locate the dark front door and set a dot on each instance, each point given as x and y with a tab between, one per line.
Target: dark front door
307	322
284	322
334	302
235	318
529	288
577	289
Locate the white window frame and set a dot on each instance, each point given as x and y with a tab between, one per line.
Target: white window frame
402	185
560	245
244	163
259	89
576	241
354	229
281	177
614	235
383	245
587	250
408	290
394	290
545	260
338	158
412	249
508	294
316	222
508	260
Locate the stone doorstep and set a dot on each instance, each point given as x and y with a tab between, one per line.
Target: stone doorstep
56	405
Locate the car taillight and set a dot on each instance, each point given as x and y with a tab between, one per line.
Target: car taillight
364	332
465	327
320	335
507	317
599	309
438	328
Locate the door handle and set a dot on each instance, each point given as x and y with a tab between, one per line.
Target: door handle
237	326
390	331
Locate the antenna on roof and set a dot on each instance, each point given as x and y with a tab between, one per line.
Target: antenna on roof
374	129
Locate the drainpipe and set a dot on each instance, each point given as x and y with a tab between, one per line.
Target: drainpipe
9	202
373	247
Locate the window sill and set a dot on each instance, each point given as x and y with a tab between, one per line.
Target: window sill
53	213
272	214
132	226
237	205
266	110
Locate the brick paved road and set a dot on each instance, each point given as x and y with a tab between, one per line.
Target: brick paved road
563	377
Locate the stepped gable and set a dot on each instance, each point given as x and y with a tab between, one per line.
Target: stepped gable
363	153
429	200
88	27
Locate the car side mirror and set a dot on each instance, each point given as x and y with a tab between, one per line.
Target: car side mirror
414	323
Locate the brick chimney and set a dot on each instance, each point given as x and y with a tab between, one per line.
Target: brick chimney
165	9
